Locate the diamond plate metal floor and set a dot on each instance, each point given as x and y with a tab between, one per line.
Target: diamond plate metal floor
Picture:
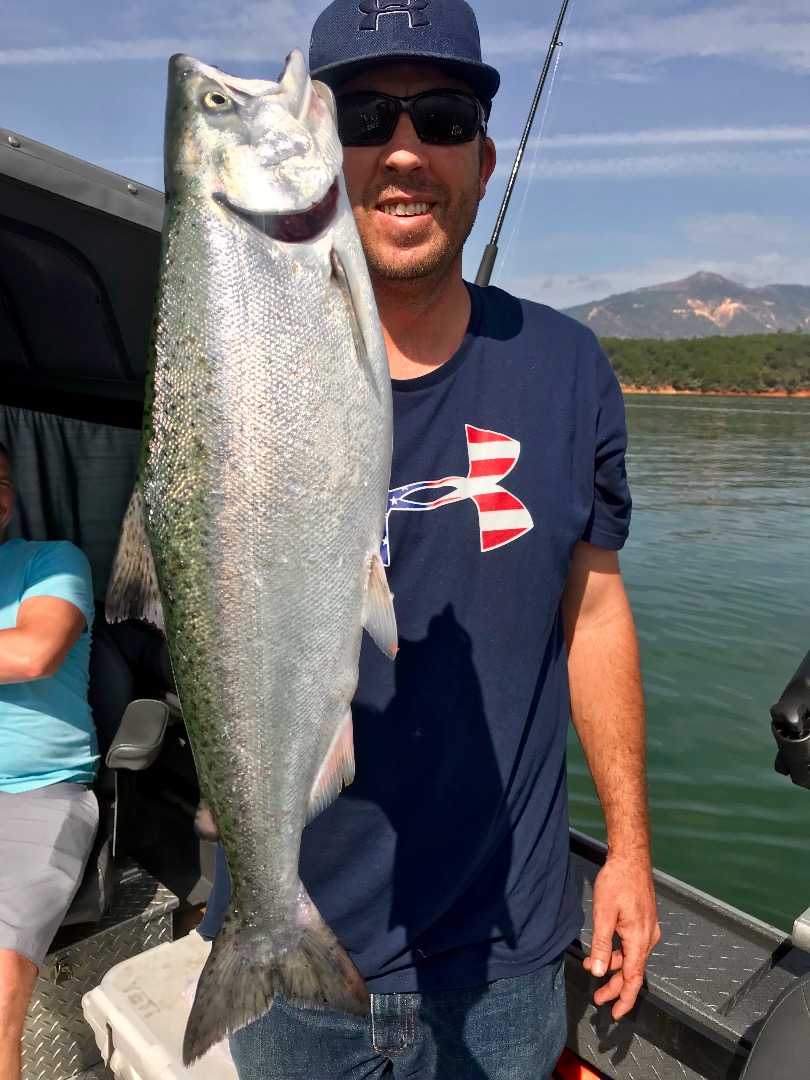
57	1042
708	987
96	1072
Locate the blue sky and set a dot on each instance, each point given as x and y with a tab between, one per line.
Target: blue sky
675	136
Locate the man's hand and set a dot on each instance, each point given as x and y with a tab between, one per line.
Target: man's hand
623	904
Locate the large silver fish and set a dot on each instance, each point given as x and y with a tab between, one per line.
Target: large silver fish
259	508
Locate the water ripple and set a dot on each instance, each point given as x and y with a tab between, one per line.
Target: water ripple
718	572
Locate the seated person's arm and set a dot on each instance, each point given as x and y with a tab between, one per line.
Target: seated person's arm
47	629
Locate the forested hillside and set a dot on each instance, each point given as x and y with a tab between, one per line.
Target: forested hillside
750	363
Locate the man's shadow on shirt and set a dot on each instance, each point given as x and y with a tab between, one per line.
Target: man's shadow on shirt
443	796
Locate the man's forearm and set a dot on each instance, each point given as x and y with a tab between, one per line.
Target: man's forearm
607	708
21	657
47	629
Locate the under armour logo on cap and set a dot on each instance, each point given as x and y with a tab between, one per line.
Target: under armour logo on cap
373	9
350	36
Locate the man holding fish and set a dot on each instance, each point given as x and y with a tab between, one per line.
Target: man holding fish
444	869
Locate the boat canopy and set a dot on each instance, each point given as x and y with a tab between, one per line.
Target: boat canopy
79	251
79	254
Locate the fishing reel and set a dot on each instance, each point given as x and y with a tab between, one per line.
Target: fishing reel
790	724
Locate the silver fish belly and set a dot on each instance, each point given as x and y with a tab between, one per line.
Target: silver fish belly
255	525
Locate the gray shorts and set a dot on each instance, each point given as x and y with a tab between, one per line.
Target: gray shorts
45	838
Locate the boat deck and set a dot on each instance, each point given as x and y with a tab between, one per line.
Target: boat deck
709	984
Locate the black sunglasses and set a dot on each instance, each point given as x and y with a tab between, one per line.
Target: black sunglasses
369	118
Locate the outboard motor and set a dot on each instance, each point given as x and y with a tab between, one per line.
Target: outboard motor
790	724
782	1048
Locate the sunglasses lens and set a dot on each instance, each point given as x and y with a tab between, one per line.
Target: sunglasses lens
439	116
446	117
365	119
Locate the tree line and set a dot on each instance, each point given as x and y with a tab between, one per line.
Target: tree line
748	363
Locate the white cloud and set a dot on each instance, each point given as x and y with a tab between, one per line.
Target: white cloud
784	133
114	163
736	233
651	166
567	290
776	35
105	52
627	38
253	32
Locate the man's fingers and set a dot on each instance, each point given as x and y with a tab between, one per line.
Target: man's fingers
616	961
627	981
610	990
627	996
628	965
601	959
621	987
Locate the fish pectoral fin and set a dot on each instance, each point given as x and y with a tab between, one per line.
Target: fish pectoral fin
378	613
204	825
342	280
327	97
133	591
337	770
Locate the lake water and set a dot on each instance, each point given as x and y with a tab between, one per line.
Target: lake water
718	573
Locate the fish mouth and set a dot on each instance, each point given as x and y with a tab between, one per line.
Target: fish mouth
290	228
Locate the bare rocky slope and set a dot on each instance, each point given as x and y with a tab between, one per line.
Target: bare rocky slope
702	305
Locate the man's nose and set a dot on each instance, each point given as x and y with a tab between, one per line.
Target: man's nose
405	151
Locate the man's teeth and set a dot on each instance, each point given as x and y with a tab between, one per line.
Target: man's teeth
405	209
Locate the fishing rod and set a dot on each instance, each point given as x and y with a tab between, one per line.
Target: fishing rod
491	250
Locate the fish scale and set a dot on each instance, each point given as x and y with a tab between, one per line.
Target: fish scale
260	506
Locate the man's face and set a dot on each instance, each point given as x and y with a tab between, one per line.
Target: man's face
440	186
6	494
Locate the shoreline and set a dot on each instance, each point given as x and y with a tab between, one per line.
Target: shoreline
670	390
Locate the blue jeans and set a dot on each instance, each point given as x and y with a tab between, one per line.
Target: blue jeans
512	1029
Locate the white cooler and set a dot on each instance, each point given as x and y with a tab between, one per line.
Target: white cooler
139	1012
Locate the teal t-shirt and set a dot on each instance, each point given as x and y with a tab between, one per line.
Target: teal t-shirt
46	728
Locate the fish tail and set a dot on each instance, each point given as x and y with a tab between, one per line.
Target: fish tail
242	977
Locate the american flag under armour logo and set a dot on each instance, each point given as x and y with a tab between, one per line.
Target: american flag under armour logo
501	516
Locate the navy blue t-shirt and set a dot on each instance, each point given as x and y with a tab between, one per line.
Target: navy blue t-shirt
446	862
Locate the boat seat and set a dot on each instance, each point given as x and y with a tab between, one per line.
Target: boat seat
130	735
782	1048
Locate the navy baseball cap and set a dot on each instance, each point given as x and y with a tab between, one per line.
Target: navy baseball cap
352	35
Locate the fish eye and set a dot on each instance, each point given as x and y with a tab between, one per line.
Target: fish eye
216	101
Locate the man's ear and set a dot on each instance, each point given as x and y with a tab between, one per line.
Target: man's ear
488	159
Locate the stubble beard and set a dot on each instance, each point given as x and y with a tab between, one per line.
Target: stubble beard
433	264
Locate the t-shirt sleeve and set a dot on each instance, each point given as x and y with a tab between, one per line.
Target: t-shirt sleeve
61	570
609	522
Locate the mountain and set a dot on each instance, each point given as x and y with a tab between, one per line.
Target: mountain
702	305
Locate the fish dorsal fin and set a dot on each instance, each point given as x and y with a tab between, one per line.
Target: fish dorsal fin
337	770
378	612
133	591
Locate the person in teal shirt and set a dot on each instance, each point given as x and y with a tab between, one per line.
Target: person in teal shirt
48	755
